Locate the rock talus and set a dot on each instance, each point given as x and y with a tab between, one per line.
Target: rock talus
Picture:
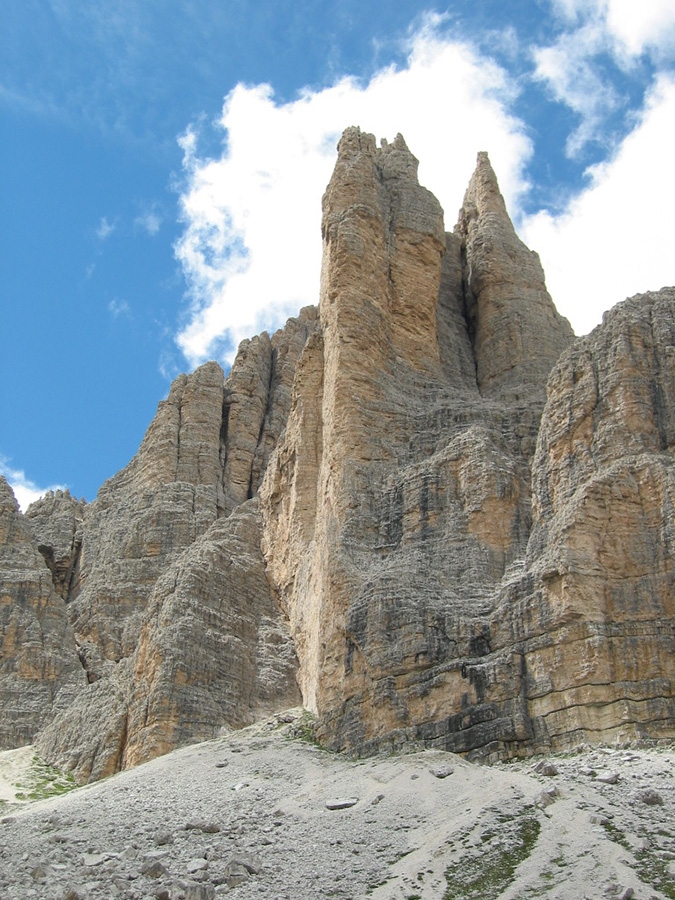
424	510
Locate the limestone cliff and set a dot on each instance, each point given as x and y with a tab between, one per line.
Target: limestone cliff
413	500
39	667
382	512
137	559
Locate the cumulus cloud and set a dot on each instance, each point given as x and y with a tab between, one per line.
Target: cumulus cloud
633	26
643	25
250	250
573	78
25	490
596	35
616	237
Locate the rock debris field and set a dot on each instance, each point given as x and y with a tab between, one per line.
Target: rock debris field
264	813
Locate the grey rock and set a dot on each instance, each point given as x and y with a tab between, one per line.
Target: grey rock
424	511
545	767
205	827
650	797
442	771
198	864
547	797
342	803
608	778
199	892
164	837
40	670
153	868
94	859
599	820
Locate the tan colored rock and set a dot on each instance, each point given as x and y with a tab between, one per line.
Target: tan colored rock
422	497
87	739
56	521
518	334
199	461
39	666
603	542
256	405
158	505
214	649
382	501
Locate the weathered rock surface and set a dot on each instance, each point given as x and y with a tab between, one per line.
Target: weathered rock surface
383	502
215	598
517	332
408	507
171	612
56	522
599	599
39	666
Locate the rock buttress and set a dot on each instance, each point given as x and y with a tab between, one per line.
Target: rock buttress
39	666
200	460
517	332
399	495
594	616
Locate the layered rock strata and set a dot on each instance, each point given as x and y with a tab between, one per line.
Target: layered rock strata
39	667
142	546
381	512
412	502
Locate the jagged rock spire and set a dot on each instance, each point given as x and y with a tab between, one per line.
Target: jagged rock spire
517	332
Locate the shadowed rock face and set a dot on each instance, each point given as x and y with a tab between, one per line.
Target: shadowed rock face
162	589
39	667
381	512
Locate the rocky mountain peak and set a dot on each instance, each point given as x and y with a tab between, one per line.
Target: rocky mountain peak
517	333
482	197
379	513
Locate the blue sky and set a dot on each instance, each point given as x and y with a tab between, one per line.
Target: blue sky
162	164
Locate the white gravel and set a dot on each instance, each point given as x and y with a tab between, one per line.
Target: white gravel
248	815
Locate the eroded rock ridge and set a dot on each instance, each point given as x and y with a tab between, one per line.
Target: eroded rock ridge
381	513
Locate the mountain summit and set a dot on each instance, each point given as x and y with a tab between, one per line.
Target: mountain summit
423	510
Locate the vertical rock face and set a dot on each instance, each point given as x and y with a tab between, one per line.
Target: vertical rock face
518	334
56	522
380	513
421	467
603	542
39	666
156	596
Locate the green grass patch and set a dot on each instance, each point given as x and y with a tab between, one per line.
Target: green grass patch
485	874
42	781
650	867
304	729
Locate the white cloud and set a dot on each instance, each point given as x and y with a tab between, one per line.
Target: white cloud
119	308
573	69
25	490
251	246
105	229
149	221
250	249
616	237
635	26
568	69
640	25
